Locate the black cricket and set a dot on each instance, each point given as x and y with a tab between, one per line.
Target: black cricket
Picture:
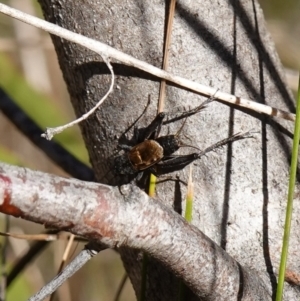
155	154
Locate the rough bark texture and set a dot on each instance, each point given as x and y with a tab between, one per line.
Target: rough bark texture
240	191
99	212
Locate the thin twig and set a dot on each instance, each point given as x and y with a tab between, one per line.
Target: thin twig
35	237
83	257
50	132
162	90
106	51
65	257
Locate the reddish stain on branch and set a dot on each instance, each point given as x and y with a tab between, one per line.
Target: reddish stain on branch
6	207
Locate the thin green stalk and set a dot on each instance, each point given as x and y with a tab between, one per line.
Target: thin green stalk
152	185
189	208
289	209
188	216
189	198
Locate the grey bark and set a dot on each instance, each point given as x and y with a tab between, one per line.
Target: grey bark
240	191
99	212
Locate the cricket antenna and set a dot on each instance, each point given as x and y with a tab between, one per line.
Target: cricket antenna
180	129
192	146
180	142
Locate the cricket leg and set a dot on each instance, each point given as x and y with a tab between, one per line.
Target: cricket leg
174	163
182	115
152	130
235	137
123	140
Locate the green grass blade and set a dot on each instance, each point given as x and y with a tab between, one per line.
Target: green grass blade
152	185
188	216
289	209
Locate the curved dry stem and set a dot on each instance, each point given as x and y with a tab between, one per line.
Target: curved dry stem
50	132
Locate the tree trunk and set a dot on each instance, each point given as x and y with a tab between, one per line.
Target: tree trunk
240	191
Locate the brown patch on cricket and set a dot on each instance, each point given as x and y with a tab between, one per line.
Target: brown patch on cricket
145	154
6	207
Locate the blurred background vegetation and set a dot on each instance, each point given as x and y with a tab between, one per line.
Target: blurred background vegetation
30	74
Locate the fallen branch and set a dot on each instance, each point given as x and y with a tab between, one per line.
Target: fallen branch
128	219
